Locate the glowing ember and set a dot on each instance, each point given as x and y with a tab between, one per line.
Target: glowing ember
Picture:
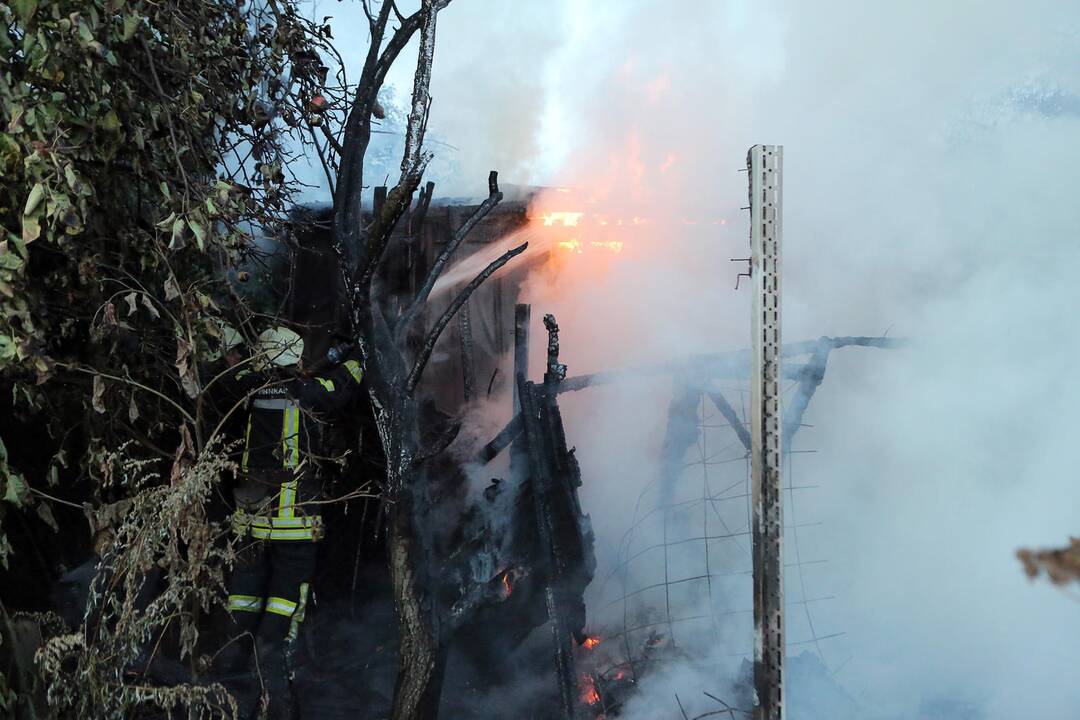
566	219
591	642
614	246
587	687
507	587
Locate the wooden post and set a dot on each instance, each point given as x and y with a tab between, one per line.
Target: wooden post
379	200
522	313
518	452
765	165
468	371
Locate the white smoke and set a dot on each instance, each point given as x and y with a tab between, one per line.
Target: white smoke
930	190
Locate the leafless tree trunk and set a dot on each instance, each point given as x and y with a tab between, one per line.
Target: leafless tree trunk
392	372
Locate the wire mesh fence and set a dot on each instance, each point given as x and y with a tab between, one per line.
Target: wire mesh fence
682	582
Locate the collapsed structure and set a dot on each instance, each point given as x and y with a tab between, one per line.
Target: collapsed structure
518	556
528	545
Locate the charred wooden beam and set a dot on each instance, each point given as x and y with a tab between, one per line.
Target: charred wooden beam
564	533
732	417
419	213
522	314
541	480
810	376
501	441
518	452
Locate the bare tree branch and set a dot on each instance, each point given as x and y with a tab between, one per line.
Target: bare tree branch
412	158
440	325
348	230
493	199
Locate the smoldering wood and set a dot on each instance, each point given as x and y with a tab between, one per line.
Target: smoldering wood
565	536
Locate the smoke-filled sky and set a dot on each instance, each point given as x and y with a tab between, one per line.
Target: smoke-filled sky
932	157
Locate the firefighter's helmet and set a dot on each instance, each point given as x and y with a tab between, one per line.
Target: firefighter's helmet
280	346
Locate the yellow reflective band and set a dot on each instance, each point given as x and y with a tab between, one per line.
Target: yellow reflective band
280	606
308	527
298	616
353	366
247	444
290	436
245	603
274	534
287	499
326	383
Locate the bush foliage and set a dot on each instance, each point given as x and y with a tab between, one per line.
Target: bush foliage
143	146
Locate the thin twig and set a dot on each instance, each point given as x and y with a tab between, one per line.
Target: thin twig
133	383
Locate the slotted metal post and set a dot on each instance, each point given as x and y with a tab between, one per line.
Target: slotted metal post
765	166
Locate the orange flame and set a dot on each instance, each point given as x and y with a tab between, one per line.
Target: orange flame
566	219
507	586
588	693
614	246
591	642
572	245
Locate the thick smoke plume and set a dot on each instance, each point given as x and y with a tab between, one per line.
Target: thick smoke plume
930	191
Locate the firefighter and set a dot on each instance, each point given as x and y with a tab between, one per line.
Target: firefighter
280	474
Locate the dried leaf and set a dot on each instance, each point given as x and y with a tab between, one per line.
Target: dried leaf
1061	565
98	398
172	290
149	305
131	300
44	511
31	229
133	410
184	454
177	238
186	368
106	516
110	315
198	232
